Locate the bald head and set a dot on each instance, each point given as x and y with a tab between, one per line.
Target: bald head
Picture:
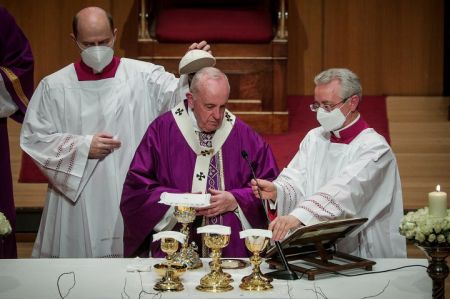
92	24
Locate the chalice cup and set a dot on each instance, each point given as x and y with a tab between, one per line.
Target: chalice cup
169	271
187	255
256	281
216	281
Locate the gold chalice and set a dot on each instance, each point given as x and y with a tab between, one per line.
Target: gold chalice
256	281
187	255
216	281
169	271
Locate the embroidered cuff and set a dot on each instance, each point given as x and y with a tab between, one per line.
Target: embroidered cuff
306	217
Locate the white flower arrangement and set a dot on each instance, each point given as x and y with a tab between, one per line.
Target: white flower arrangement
5	227
424	229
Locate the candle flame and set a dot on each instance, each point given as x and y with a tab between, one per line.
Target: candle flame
438	188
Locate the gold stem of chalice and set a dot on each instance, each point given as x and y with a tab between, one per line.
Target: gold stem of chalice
216	281
169	271
187	255
256	281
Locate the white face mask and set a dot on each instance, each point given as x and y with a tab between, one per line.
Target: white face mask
97	57
331	121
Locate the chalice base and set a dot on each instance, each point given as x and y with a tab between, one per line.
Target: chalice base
174	285
215	282
170	280
256	282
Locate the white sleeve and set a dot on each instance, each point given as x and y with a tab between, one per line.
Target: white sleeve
62	157
7	105
290	184
244	222
166	89
348	193
167	222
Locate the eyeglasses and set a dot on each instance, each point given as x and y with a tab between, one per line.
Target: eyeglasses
327	107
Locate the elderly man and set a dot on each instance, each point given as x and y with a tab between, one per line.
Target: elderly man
82	128
16	87
196	148
343	169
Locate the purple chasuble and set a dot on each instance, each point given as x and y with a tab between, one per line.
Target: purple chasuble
16	69
164	162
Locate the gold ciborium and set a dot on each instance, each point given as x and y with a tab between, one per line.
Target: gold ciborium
256	281
169	271
187	255
216	281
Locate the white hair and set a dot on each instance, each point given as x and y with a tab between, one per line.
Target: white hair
349	81
207	73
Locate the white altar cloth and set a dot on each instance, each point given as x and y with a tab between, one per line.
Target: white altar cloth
109	278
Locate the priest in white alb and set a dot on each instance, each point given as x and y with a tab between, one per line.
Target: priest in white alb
82	127
343	169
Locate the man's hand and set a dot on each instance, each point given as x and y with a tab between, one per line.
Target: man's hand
102	144
221	202
267	189
203	45
281	226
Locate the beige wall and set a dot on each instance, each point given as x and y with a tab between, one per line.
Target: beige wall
396	46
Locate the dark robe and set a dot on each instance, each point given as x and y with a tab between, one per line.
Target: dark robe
16	69
164	162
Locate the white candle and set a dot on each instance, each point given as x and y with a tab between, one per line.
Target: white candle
437	203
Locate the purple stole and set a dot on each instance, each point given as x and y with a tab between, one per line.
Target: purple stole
211	143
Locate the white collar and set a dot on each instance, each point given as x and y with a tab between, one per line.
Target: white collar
193	119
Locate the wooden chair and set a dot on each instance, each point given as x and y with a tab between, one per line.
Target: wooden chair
248	39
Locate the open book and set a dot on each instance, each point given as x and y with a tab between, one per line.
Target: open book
305	239
311	250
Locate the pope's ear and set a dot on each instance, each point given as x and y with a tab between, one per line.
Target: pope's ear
190	99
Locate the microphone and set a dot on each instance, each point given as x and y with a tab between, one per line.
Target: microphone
287	273
245	156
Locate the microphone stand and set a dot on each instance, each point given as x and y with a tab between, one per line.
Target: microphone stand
287	273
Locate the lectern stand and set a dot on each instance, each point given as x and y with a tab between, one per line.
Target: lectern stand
311	249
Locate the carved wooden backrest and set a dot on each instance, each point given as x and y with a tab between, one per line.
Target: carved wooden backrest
256	68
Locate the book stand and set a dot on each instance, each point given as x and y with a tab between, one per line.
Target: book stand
311	250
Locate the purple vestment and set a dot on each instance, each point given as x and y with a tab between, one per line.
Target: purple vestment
164	162
16	69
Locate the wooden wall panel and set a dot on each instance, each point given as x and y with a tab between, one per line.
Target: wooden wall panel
125	14
396	46
48	25
305	45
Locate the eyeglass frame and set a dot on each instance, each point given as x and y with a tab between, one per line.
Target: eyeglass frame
327	107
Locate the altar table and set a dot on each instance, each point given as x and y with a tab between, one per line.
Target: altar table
109	278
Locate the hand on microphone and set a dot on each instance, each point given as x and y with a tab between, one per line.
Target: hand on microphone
267	189
281	225
221	202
